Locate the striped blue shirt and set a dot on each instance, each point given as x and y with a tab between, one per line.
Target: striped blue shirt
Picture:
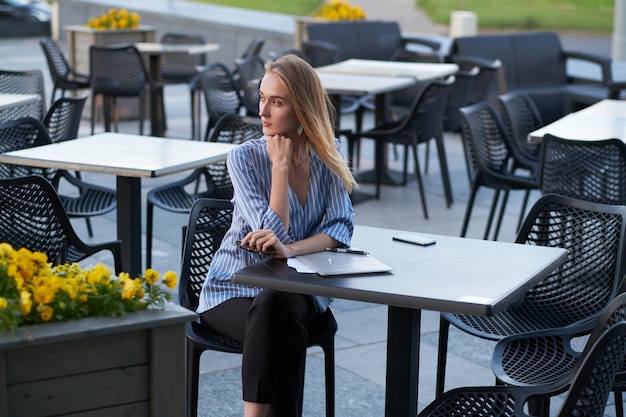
327	210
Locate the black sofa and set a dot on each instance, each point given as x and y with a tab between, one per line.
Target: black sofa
537	64
328	43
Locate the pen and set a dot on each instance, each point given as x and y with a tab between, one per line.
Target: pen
344	250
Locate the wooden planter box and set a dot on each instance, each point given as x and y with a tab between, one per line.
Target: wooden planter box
129	366
80	38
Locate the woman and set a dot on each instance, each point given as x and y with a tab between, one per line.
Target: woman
291	197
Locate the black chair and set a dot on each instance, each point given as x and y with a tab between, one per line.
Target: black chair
118	71
89	199
588	170
549	356
251	70
24	82
458	97
183	69
253	48
210	181
587	395
490	158
64	77
32	216
221	94
208	222
576	292
520	117
422	123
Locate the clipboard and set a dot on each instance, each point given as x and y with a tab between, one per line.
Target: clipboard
335	263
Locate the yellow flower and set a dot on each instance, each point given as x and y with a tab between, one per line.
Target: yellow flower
170	279
115	18
4	303
26	304
45	312
151	275
339	10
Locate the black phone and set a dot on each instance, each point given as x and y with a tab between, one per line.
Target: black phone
414	239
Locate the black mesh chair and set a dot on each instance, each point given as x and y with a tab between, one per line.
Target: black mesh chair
208	222
251	70
210	181
587	395
24	82
520	117
422	123
32	216
253	48
118	71
62	122
89	199
549	356
576	292
221	94
589	170
183	69
489	158
458	97
64	77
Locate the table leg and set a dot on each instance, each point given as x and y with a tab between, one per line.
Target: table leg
129	223
403	340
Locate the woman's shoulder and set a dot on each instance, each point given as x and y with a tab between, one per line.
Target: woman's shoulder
253	145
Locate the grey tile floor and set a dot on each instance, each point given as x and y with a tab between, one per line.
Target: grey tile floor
361	339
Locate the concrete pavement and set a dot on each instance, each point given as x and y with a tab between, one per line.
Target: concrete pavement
361	339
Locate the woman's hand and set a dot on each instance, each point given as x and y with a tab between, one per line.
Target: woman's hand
265	241
279	149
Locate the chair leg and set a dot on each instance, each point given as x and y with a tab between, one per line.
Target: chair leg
443	167
505	199
523	211
442	355
142	111
619	405
149	220
192	93
418	176
492	212
93	112
89	228
193	375
468	210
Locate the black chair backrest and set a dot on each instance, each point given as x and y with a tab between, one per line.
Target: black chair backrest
24	82
57	63
589	392
520	117
251	71
209	221
32	216
485	140
181	68
117	71
588	170
221	94
23	133
594	235
426	113
63	118
253	48
235	129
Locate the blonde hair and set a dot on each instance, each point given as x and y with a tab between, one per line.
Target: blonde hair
314	110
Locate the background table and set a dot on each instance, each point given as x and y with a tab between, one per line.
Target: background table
458	275
604	120
130	158
155	51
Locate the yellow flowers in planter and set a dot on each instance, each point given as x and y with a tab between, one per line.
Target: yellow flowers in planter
339	10
32	291
115	19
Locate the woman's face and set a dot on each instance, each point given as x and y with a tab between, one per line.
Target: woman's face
275	108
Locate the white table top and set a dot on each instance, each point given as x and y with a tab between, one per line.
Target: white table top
12	100
419	70
161	48
456	274
360	85
122	155
603	120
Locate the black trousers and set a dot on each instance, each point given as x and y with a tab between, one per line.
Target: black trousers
272	328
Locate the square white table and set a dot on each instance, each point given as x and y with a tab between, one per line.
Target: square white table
130	158
605	119
155	51
456	274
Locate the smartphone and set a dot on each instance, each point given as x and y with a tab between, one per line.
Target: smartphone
414	239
